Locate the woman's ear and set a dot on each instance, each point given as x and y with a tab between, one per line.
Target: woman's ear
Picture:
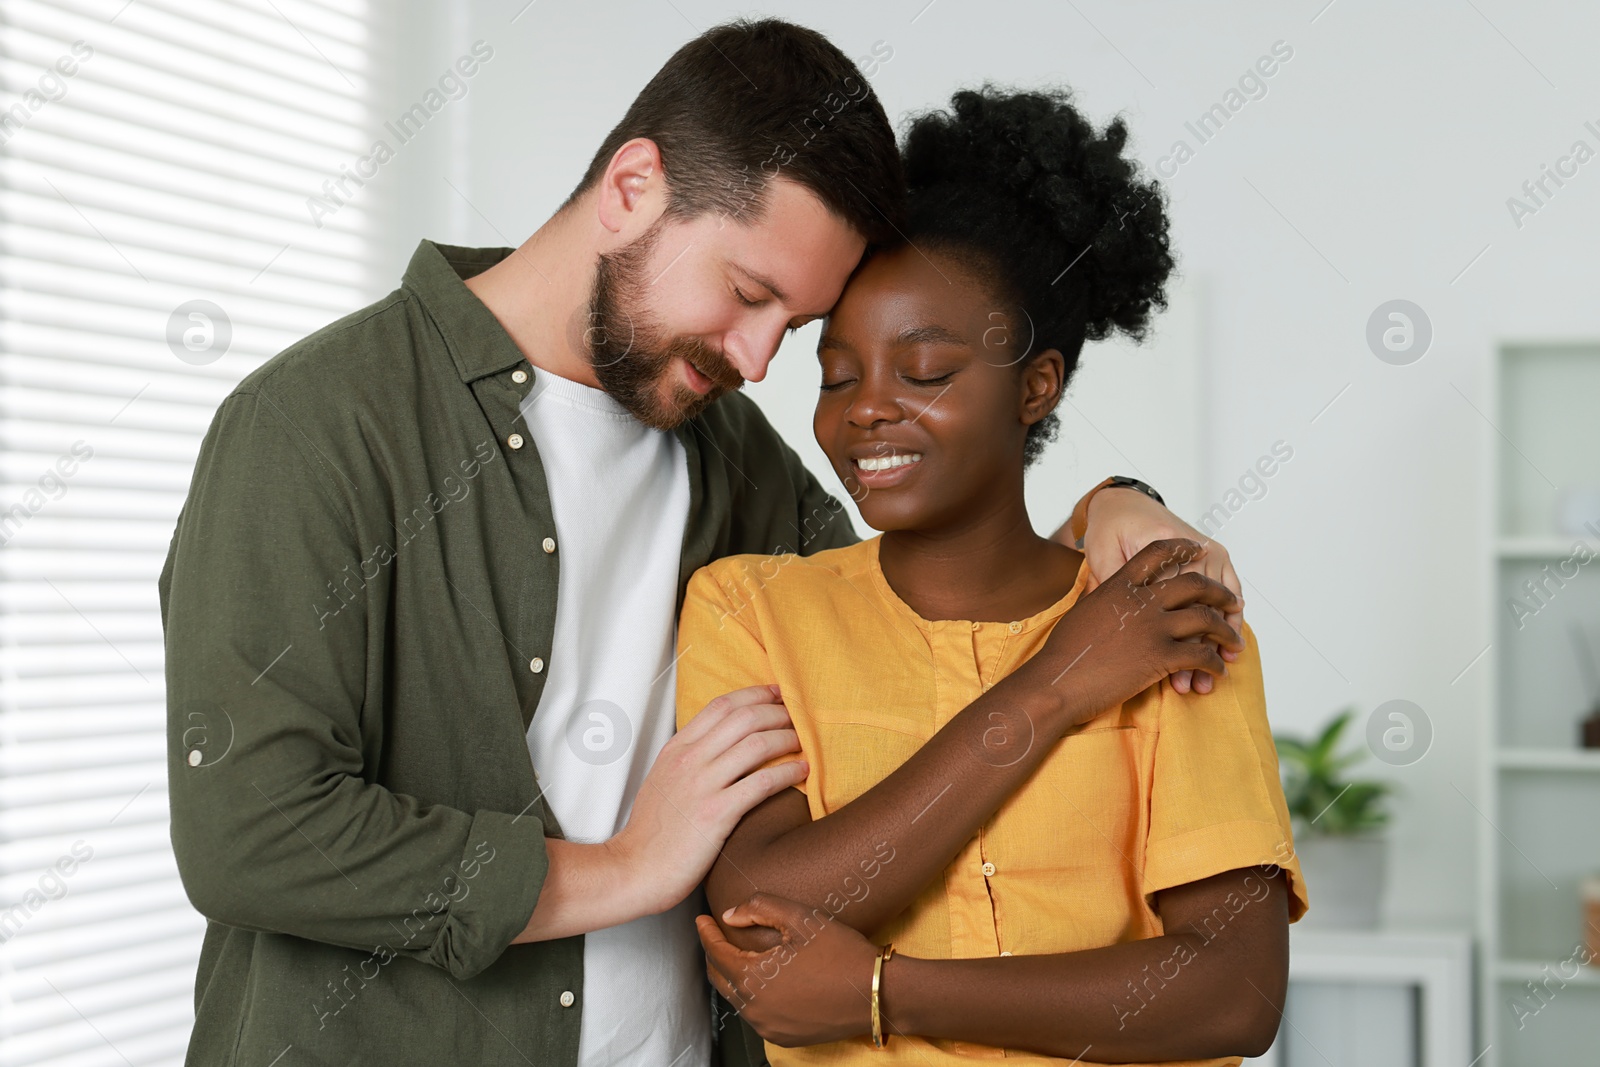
1043	378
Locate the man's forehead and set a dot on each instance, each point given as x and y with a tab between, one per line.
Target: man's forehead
797	250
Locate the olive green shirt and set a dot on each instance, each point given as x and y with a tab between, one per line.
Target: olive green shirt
358	605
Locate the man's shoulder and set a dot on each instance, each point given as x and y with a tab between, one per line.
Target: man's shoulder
365	346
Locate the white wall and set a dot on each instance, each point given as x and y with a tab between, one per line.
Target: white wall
1376	167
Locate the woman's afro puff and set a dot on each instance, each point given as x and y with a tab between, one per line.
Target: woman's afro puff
1022	186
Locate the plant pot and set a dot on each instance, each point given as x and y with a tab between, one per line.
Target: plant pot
1344	878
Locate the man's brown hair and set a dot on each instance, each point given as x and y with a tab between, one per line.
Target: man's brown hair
748	101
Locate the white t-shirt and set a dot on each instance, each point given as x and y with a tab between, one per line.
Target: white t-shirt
620	494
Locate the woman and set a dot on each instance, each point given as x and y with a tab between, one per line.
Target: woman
1071	861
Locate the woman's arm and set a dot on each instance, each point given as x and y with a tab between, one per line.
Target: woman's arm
1129	633
1212	985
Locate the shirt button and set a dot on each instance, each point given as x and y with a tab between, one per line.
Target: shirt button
549	544
195	757
519	376
975	625
567	998
536	665
1016	627
988	870
515	440
1006	953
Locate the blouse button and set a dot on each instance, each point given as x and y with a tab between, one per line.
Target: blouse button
567	998
536	665
515	440
549	544
976	625
519	376
1016	627
988	870
1006	953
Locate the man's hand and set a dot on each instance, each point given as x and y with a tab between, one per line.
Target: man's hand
1121	522
815	985
701	784
1152	618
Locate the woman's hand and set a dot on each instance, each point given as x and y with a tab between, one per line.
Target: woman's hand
1152	618
813	986
1121	522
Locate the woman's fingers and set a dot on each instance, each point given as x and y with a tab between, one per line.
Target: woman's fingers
1236	618
1193	587
723	958
1201	657
1217	565
1204	622
764	909
721	984
729	958
1160	560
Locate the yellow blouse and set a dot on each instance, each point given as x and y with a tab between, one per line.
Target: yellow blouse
1156	792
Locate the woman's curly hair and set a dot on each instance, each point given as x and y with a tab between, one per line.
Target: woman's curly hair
1021	188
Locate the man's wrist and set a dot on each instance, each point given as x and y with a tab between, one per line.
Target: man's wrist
1122	481
1078	522
637	895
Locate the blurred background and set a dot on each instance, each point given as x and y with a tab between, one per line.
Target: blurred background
1377	384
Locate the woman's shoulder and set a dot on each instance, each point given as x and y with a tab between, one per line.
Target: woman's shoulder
788	574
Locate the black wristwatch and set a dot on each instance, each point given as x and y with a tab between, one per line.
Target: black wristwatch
1119	481
1078	522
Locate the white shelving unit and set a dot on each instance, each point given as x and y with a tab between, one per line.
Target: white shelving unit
1437	967
1541	790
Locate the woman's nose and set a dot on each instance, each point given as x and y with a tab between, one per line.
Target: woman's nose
873	403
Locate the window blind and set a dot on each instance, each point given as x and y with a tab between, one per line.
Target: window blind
158	160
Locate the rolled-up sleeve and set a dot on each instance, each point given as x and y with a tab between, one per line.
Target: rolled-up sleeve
278	822
1217	803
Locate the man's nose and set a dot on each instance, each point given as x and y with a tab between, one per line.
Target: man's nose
752	350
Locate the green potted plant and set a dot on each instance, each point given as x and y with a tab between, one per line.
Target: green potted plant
1338	827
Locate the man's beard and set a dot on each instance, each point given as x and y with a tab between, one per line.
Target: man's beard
630	358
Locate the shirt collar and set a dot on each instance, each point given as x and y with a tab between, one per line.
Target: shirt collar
477	342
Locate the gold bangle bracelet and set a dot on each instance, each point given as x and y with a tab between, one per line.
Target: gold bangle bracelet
877	986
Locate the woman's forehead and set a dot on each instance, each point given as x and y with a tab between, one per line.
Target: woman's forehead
912	296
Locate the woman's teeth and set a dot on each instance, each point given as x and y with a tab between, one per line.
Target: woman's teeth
883	463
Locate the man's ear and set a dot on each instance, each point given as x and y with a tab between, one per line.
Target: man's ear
1043	378
632	192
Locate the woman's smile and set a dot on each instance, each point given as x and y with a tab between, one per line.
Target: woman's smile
883	469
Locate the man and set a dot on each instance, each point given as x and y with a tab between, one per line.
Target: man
426	793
